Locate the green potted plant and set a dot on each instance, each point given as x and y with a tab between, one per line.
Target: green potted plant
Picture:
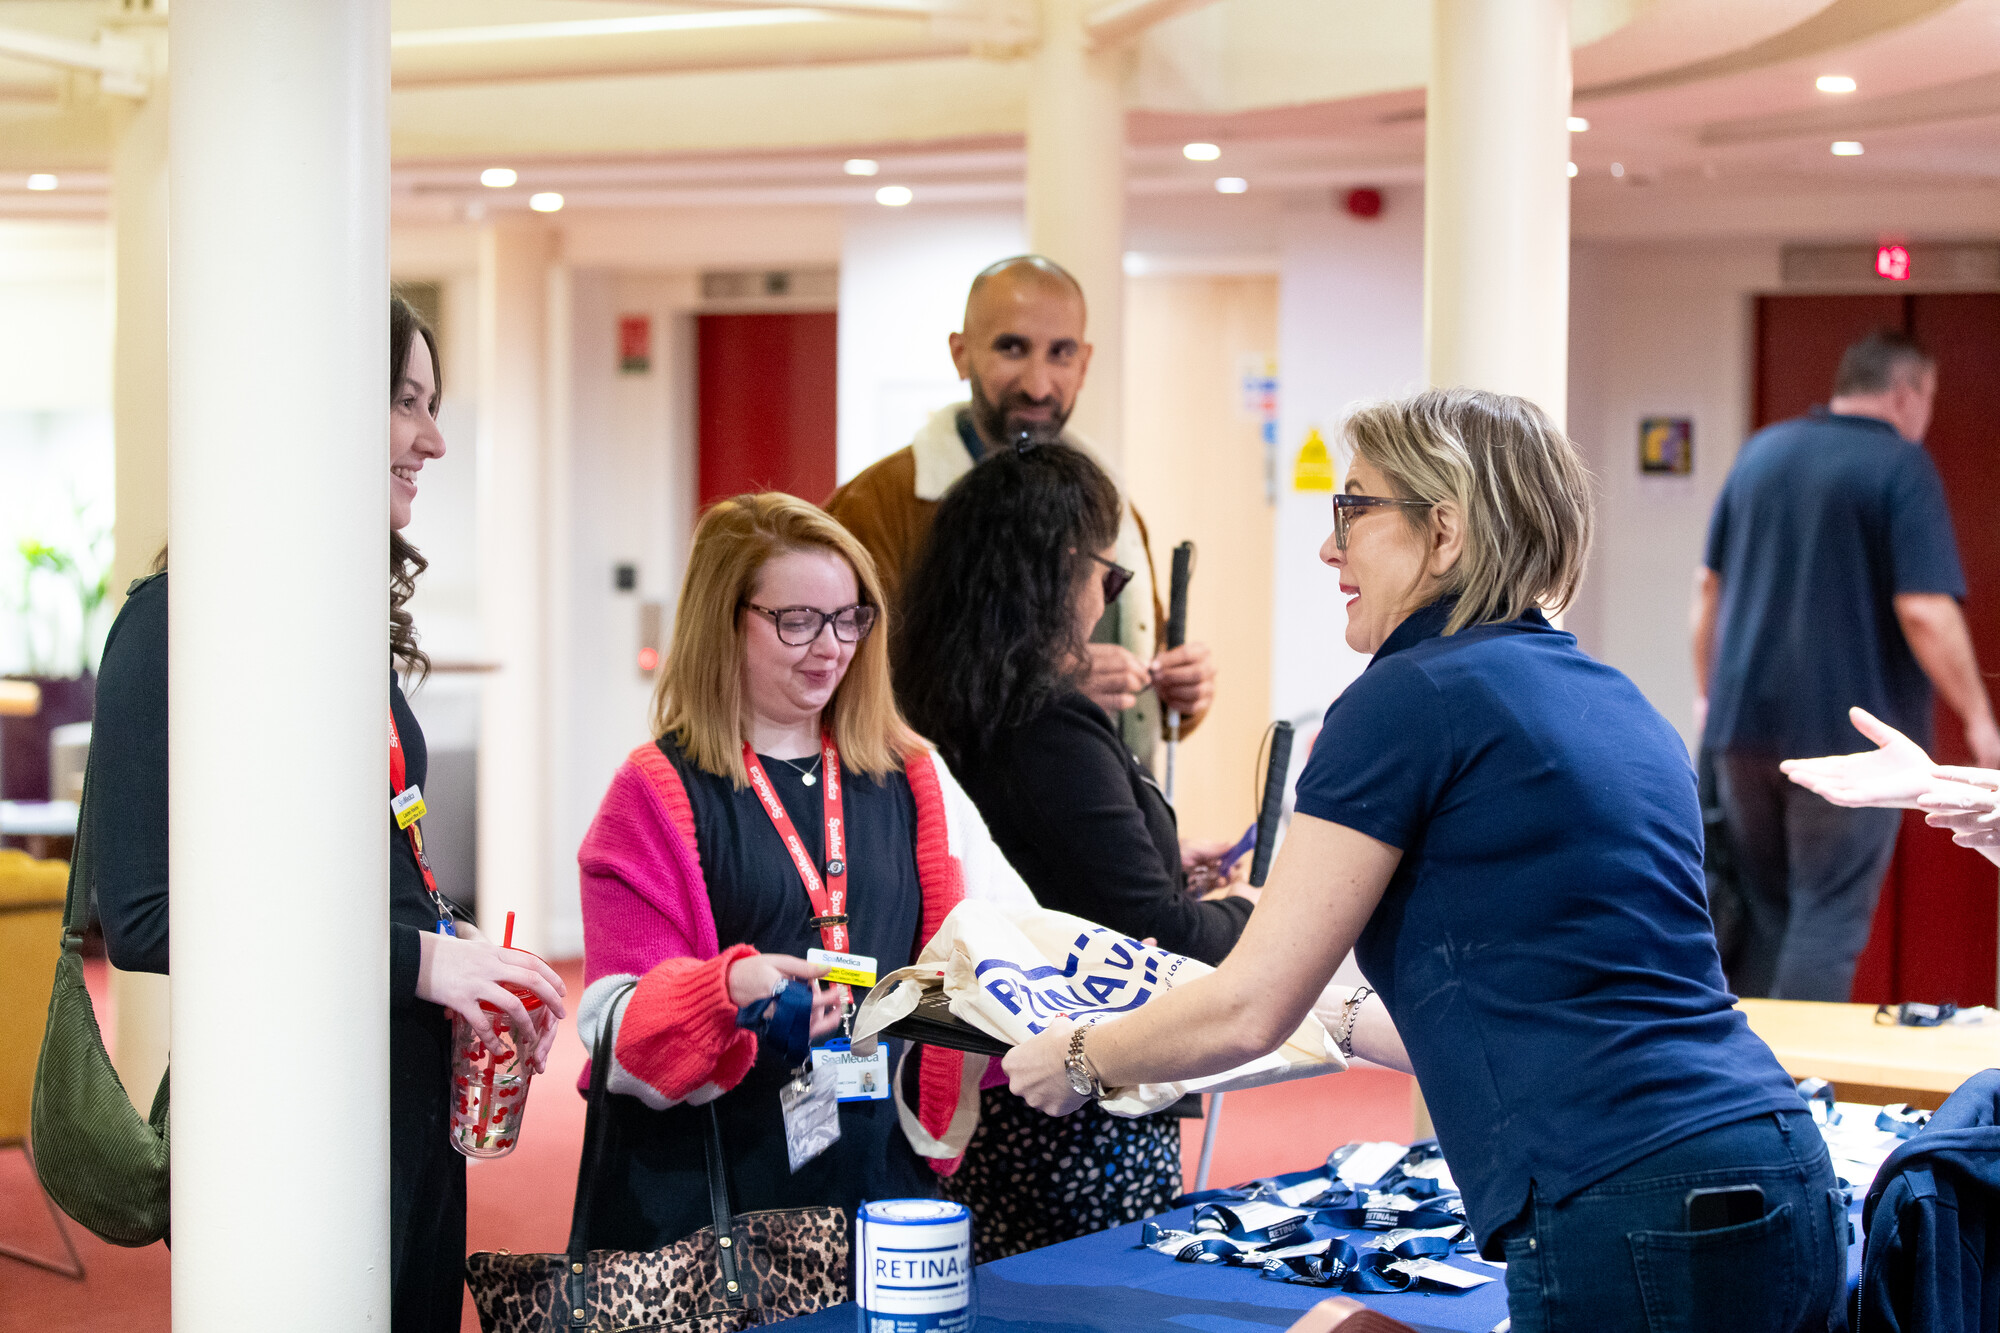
61	602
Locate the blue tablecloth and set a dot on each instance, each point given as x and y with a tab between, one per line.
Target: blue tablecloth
1106	1284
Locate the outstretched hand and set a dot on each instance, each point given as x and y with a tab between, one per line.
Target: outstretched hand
1894	774
458	974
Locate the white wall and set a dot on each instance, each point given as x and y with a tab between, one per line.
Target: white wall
1350	328
631	501
1660	329
903	278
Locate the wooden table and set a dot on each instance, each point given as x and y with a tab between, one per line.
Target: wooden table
1870	1061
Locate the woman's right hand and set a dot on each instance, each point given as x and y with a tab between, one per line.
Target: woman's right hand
457	974
756	977
1894	774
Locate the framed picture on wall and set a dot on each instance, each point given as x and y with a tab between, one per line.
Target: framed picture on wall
1666	446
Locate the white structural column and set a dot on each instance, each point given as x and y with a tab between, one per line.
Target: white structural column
515	261
139	435
1496	199
279	663
1076	197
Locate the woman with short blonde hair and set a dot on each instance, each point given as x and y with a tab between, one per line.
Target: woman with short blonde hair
783	807
1506	835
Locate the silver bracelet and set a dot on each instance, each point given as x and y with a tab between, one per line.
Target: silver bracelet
1351	1014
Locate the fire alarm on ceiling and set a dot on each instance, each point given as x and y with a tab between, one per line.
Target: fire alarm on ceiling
1364	203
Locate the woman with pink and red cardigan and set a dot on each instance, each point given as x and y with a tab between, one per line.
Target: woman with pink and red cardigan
707	878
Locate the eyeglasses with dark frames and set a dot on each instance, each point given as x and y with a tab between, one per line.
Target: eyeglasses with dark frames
798	626
1115	578
1346	508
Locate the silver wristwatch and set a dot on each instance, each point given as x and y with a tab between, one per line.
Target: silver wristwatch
1082	1079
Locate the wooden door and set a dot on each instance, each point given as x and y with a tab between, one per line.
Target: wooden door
1934	936
765	400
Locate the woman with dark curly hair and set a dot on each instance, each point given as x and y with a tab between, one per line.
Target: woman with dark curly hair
1017	570
436	968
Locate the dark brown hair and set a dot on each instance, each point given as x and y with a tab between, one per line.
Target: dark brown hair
405	561
988	634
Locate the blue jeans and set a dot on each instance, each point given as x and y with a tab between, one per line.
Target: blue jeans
1618	1255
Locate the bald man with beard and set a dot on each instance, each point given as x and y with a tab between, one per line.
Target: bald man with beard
1023	352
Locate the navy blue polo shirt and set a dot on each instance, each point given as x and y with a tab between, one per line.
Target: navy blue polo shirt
1823	521
1544	945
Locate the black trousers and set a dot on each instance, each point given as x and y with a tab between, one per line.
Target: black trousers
426	1175
1811	872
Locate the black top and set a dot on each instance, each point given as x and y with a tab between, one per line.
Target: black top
127	812
757	897
1090	832
1544	944
1823	521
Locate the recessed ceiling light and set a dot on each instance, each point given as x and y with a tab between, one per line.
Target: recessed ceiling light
1577	124
861	166
1200	152
41	180
1846	148
548	201
1572	169
498	178
1834	83
894	196
1618	169
1231	185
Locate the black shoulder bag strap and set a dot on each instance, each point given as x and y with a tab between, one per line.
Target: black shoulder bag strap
597	1136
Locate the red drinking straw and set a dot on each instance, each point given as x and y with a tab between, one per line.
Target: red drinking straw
507	940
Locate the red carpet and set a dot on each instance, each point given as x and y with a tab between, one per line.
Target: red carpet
521	1202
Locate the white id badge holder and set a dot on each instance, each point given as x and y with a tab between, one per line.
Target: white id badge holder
812	1114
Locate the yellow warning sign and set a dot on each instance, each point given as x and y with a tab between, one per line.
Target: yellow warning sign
1312	470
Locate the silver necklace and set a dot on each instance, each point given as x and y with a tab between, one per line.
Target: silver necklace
805	774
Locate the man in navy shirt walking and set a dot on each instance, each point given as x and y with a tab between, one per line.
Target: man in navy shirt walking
1831	579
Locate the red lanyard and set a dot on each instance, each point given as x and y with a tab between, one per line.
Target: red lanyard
398	783
829	895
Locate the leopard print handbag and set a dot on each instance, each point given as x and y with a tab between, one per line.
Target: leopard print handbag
746	1269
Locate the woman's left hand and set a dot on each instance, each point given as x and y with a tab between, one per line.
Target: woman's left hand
1038	1070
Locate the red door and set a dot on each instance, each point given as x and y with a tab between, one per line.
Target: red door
1934	936
765	398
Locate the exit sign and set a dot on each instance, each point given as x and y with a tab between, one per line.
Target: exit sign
1892	262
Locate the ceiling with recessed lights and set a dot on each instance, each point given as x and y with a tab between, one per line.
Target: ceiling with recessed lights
607	104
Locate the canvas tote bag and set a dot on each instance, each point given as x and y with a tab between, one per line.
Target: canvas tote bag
1010	973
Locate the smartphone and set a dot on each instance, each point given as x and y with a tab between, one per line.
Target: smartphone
1726	1206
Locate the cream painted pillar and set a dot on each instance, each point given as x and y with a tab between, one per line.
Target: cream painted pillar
139	435
1496	211
1076	198
516	264
279	213
1496	199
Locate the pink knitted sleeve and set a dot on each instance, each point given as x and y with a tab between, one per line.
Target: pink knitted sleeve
679	1030
643	894
646	915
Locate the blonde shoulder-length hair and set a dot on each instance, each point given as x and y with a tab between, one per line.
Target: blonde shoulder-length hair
1517	481
699	698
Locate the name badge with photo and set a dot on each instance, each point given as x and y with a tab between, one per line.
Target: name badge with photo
857	1078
